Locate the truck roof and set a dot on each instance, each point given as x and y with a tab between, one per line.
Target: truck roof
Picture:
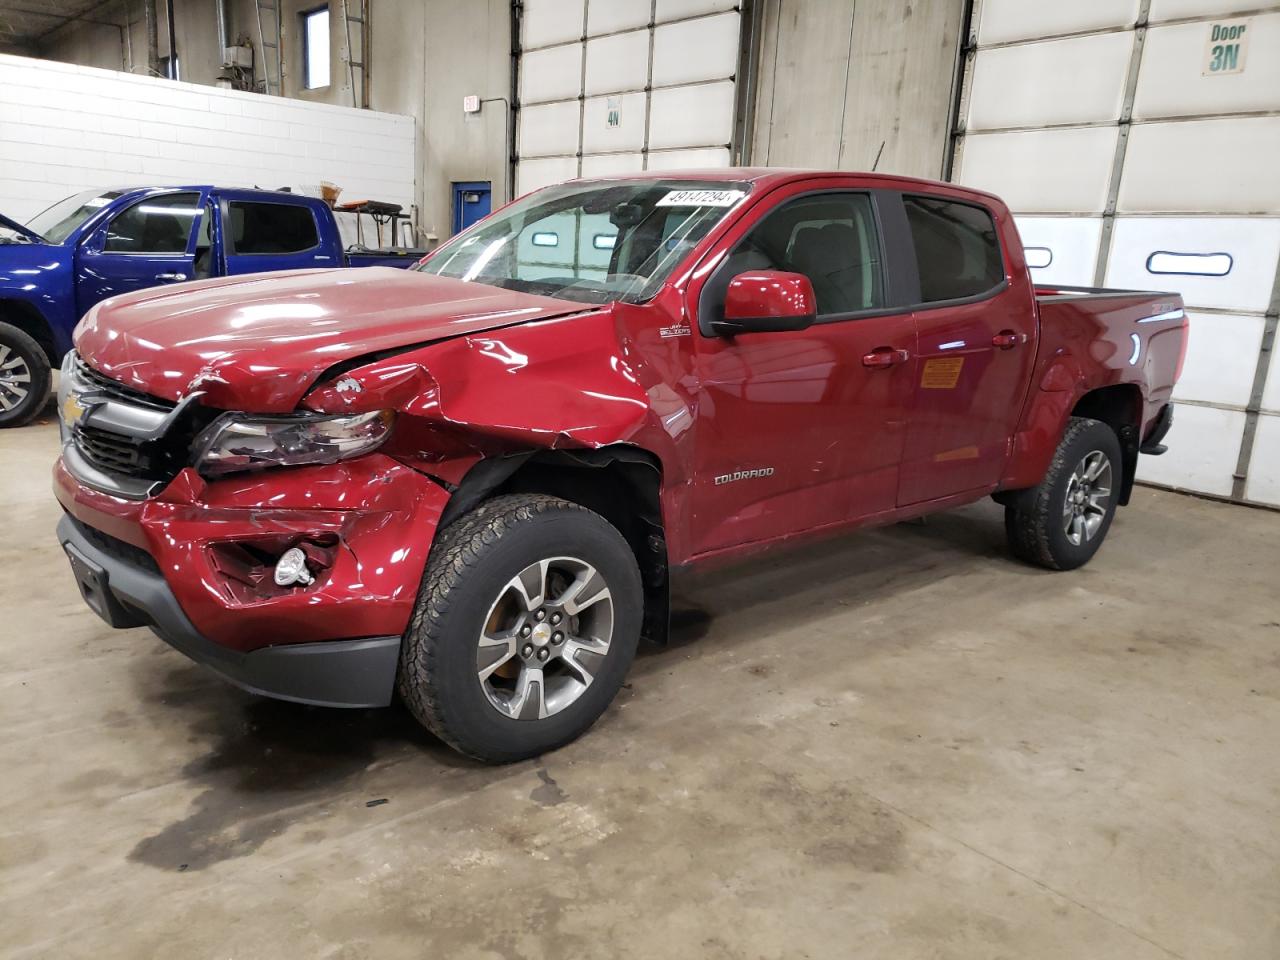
153	188
773	176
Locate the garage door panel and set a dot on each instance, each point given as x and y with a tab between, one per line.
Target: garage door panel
551	74
1263	485
1179	9
611	164
675	9
1204	446
620	62
1271	392
1068	246
1171	84
1042	171
1253	245
1006	20
694	116
693	50
549	128
606	16
535	174
1041	84
1222	354
1215	166
550	21
613	123
689	159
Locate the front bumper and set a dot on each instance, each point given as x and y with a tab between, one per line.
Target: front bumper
194	563
125	593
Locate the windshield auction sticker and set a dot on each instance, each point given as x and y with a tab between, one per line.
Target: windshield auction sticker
701	198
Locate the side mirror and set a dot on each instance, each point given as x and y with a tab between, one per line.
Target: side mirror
767	301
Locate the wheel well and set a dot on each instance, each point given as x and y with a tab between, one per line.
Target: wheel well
623	484
29	320
1120	408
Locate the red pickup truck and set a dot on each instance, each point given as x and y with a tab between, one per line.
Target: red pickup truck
473	482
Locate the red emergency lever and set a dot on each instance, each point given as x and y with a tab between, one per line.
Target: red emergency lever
885	357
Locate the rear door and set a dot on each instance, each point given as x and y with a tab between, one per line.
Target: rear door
263	234
975	329
148	243
798	430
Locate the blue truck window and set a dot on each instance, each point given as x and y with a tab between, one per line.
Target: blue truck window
271	227
154	225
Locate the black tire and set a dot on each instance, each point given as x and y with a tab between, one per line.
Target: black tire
23	398
1035	520
470	566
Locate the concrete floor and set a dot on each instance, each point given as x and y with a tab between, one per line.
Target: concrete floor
899	745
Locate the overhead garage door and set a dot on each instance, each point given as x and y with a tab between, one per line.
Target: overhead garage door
1137	143
650	87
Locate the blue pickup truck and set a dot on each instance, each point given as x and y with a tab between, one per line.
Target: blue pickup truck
96	244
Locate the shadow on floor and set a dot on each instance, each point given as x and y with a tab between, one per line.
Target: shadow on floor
269	765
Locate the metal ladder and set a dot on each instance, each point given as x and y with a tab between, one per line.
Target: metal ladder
359	94
272	80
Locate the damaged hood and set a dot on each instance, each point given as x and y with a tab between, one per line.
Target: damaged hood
258	343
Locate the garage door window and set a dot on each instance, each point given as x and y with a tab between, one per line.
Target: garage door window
155	225
831	239
957	252
271	228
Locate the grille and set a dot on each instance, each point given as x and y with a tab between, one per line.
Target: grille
115	390
118	453
111	451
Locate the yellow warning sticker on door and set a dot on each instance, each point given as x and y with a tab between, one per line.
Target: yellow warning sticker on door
941	373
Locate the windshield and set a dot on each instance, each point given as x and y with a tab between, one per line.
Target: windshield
61	220
592	242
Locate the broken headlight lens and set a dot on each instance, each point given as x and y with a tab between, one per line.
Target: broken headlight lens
234	443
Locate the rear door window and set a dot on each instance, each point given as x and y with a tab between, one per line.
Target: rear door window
957	251
271	227
155	225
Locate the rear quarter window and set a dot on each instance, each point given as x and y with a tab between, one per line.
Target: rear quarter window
957	251
271	227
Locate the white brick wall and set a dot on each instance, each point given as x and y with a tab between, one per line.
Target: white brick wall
65	128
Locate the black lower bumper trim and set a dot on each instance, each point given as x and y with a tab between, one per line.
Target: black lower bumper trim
1159	430
329	673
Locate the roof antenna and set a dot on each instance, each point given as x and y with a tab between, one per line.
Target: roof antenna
878	152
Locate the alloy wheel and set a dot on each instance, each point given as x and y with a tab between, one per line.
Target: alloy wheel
545	638
1088	498
15	378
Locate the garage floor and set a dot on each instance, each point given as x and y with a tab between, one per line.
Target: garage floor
899	745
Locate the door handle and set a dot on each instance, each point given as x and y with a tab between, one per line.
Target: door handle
1007	339
883	357
168	277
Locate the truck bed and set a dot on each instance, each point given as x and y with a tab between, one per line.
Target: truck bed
1113	337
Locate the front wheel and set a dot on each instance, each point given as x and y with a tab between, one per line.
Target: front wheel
525	626
24	377
1061	523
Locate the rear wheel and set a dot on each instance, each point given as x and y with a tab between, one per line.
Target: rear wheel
1061	523
24	377
525	626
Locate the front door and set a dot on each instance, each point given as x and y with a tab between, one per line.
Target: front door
149	243
975	349
802	429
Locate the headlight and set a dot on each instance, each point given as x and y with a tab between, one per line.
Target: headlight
233	442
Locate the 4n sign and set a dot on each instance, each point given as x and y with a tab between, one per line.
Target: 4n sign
1225	48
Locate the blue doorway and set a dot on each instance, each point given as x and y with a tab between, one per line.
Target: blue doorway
470	203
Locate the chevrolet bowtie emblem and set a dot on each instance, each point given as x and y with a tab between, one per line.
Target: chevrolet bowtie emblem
72	409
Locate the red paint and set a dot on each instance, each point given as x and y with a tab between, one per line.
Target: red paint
865	420
769	293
